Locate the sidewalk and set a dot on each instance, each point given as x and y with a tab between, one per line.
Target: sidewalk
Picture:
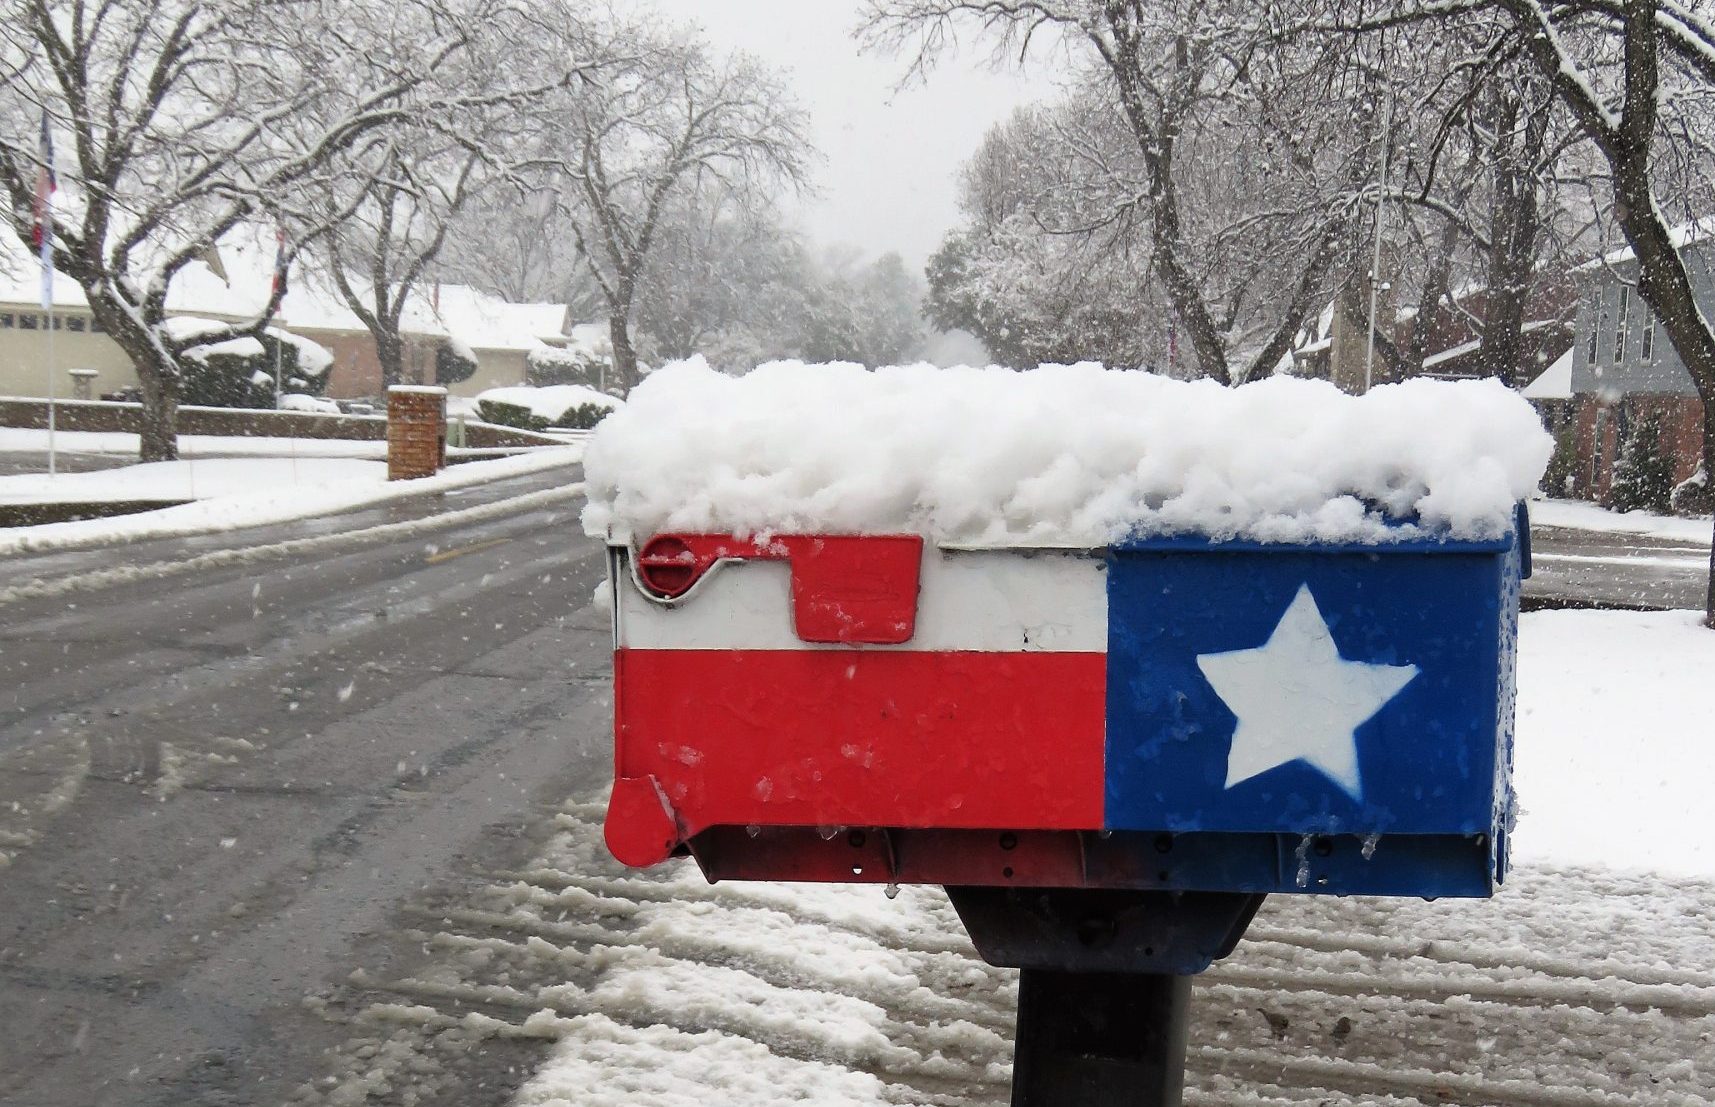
1583	515
227	494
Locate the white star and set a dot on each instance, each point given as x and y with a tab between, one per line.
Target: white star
1297	699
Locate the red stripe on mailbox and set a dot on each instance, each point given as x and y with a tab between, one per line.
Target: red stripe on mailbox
867	738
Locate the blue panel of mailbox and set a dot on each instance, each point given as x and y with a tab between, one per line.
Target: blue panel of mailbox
1324	719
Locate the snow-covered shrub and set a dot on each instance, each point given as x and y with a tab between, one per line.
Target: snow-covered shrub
454	362
562	405
298	401
240	372
549	365
1643	477
227	374
583	416
1692	496
509	415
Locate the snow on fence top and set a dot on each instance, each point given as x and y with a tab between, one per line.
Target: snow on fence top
1058	456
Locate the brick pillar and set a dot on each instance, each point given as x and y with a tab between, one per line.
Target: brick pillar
416	431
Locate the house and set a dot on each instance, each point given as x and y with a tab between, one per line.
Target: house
499	335
1335	347
1624	370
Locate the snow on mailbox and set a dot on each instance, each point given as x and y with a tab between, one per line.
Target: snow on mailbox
1065	629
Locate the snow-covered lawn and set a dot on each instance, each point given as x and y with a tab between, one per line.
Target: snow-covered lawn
231	493
191	479
1616	741
23	440
1582	515
1589	980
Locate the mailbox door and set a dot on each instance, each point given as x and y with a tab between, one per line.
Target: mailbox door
1310	691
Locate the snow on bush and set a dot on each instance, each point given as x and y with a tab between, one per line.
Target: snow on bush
314	359
297	401
1061	455
550	402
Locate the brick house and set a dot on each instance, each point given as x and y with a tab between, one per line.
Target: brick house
1624	370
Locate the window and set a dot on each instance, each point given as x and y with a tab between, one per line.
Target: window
1620	323
75	323
95	326
1597	311
6	319
1646	348
27	321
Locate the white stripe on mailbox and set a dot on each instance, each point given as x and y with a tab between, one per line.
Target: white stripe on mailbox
983	601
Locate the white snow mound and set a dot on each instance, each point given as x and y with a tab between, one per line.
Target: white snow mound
549	401
1058	456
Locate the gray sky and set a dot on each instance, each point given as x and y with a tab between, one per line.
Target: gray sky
887	182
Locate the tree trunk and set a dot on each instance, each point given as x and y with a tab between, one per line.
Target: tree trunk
159	440
390	354
1709	483
1515	223
624	356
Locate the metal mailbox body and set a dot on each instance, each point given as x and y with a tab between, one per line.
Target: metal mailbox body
1165	714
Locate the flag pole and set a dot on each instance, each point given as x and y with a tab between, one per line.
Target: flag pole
43	212
52	457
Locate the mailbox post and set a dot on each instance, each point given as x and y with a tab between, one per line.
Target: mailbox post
1108	757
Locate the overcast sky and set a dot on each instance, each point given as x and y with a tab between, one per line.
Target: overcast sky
887	181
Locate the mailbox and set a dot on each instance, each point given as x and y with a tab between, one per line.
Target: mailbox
1110	657
1163	715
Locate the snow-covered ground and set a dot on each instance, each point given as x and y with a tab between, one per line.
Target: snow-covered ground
190	479
24	440
1589	981
231	493
1581	515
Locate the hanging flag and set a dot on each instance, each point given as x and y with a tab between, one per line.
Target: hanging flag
211	258
277	288
43	236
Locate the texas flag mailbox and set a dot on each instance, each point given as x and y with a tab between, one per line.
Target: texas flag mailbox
1167	714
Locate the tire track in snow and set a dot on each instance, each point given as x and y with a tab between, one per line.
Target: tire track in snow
810	983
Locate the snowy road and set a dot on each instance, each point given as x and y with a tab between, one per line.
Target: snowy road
1627	570
218	788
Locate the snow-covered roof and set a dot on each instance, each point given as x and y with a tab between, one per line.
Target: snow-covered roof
1553	383
311	302
1465	349
487	322
593	340
1058	456
1685	234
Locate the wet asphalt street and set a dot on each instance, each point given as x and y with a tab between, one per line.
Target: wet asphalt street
219	790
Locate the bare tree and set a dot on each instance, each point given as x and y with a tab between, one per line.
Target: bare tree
177	122
671	117
1638	76
512	238
396	200
721	263
1203	88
